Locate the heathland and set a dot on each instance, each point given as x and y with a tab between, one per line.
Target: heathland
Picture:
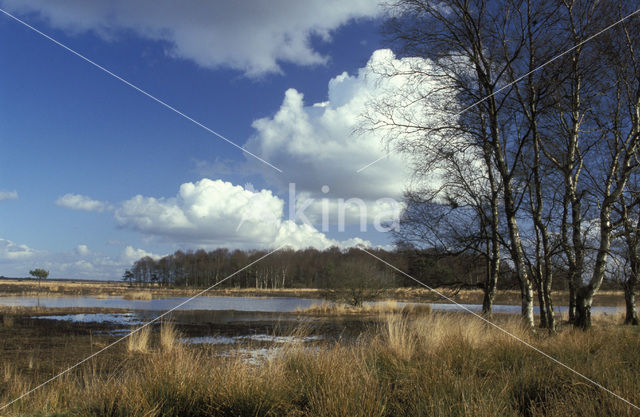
388	360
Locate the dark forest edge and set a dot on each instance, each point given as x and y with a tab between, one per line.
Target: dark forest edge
338	274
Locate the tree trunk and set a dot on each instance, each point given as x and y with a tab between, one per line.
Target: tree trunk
630	303
584	295
551	320
493	244
544	322
583	308
526	289
547	279
527	303
517	254
490	286
572	301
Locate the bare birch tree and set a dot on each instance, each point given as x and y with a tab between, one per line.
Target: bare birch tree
465	43
618	122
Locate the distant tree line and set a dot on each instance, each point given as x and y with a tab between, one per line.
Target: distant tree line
311	268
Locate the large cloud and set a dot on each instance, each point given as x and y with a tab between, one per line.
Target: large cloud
251	36
326	144
212	213
315	145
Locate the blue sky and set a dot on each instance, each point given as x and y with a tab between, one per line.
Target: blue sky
94	174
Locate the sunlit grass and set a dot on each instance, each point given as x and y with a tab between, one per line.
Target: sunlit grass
411	365
139	295
138	342
381	307
169	336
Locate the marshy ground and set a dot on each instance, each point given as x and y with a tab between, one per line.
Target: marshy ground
326	360
389	362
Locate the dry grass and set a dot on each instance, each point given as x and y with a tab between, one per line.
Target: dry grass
138	342
139	295
169	336
438	364
8	320
384	307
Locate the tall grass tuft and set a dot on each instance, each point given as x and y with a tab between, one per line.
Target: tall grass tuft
169	336
138	295
138	342
399	336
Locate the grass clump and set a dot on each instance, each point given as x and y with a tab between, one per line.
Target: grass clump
138	341
169	336
138	295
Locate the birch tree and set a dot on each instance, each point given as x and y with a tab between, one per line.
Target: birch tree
618	122
465	44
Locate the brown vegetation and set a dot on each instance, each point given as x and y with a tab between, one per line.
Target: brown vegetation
138	295
438	364
386	307
138	341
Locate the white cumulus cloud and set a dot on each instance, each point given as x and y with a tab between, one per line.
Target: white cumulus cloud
254	36
131	254
315	144
218	213
82	250
325	144
81	202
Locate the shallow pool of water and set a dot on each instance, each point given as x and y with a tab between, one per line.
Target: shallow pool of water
266	304
111	318
239	304
516	309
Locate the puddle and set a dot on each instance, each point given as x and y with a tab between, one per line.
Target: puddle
281	339
209	340
109	318
257	356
